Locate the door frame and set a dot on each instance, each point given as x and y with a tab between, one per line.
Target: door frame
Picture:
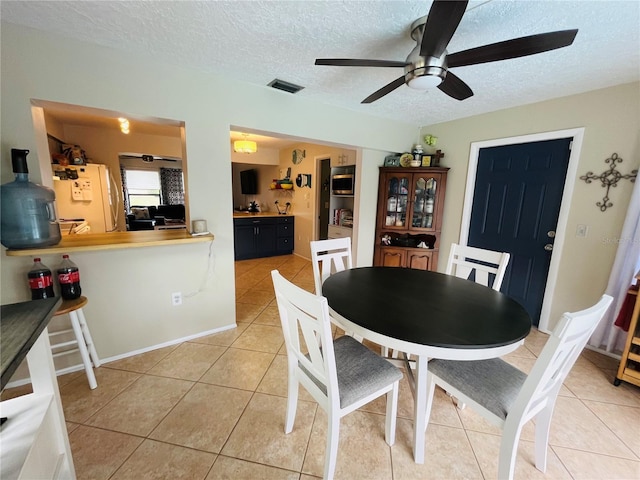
577	135
317	159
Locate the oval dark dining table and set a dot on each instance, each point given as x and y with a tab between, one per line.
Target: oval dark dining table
426	314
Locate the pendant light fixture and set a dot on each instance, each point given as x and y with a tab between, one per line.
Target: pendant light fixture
245	146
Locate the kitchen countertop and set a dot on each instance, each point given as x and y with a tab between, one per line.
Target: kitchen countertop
259	214
115	240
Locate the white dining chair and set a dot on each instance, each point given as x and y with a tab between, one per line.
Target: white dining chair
487	267
329	257
478	264
341	375
507	397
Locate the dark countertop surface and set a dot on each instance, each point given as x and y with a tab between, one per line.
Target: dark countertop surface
21	324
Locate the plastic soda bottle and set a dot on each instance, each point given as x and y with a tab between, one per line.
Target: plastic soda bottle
69	279
40	281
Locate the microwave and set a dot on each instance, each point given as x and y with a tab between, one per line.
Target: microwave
342	184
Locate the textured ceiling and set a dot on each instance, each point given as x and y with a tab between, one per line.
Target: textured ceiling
257	41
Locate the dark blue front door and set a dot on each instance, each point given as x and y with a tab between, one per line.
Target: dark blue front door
515	209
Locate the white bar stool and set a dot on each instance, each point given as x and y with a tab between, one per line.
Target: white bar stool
83	339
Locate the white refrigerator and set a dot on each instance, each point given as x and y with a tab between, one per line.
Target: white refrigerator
92	197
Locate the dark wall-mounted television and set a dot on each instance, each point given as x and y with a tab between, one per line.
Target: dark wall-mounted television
249	182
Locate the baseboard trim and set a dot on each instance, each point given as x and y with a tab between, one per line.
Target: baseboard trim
76	368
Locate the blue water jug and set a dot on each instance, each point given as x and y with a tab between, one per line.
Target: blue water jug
27	210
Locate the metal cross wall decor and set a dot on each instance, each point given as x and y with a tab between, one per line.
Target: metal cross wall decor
609	178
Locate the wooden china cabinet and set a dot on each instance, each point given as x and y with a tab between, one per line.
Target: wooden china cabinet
410	206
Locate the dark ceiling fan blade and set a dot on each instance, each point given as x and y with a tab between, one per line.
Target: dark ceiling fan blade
455	88
442	22
390	87
514	48
356	62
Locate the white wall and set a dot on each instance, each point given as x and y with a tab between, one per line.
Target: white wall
611	122
129	290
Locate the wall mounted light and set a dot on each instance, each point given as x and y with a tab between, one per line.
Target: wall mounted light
245	146
124	125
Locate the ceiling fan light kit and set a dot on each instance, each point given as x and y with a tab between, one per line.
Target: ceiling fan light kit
428	64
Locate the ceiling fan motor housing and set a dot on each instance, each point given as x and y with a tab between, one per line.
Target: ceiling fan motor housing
423	72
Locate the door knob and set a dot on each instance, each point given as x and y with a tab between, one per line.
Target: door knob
551	234
548	247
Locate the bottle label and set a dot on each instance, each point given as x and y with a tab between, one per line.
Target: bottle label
69	277
40	282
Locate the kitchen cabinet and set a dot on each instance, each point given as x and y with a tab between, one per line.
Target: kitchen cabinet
409	217
284	235
343	159
263	236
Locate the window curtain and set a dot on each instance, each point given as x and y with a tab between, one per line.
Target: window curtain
125	197
608	336
171	186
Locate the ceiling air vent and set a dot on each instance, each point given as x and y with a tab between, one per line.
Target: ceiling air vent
286	86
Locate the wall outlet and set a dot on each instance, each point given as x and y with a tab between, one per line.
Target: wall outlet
176	299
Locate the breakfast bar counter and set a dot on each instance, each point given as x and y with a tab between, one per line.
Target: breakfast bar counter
115	240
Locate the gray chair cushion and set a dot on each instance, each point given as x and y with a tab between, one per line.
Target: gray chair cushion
493	383
360	371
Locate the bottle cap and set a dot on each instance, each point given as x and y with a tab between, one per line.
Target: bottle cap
19	160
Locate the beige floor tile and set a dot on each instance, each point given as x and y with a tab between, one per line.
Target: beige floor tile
238	368
71	426
362	447
621	420
156	460
141	407
487	449
9	393
448	454
600	360
275	381
204	418
189	361
259	435
226	468
246	312
143	362
269	316
257	297
591	383
223	339
589	466
575	426
79	402
248	280
261	338
98	453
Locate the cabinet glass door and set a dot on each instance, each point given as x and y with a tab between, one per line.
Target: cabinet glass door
397	196
424	202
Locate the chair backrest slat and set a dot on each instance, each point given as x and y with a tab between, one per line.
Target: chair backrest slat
477	263
329	257
306	326
557	358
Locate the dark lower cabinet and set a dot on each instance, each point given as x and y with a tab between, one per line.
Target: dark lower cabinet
256	237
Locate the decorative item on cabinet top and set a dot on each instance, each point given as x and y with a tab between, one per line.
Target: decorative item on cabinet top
415	159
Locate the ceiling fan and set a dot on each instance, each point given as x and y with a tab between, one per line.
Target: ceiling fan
429	62
147	158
